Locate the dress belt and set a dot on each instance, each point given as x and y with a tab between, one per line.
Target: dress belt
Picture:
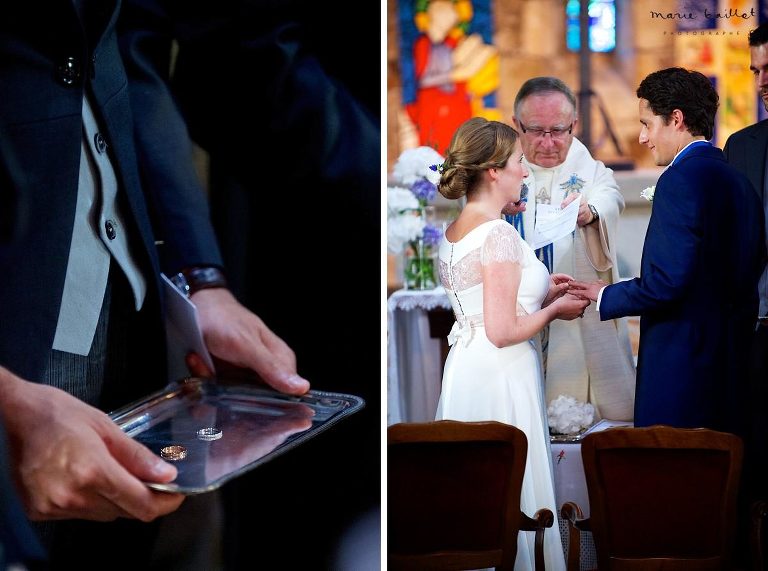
464	328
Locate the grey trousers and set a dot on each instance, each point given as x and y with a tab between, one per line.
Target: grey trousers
190	538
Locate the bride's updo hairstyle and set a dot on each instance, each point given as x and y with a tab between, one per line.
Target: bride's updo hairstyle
476	146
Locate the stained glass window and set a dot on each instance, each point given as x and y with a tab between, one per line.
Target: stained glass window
602	25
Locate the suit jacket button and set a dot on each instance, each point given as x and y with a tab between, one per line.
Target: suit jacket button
68	72
99	143
109	226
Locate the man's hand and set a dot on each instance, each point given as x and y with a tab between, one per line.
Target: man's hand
71	461
238	337
585	214
587	290
512	208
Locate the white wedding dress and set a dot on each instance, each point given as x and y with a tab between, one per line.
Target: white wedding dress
485	382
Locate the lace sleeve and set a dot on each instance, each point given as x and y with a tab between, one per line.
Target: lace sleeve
502	244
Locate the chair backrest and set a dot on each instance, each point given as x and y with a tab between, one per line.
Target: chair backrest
453	494
662	493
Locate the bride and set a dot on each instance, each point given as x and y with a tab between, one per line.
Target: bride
502	297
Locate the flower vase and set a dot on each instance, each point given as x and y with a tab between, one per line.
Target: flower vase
419	266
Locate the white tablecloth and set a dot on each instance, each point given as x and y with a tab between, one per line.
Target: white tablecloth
414	367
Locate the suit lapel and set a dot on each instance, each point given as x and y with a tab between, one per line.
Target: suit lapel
756	152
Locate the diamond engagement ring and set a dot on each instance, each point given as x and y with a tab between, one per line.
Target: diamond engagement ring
210	433
173	453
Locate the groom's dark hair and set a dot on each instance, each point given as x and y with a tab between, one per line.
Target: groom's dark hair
689	91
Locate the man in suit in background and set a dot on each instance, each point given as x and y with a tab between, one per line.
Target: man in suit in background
747	150
702	257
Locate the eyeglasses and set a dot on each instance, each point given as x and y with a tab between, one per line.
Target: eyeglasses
537	132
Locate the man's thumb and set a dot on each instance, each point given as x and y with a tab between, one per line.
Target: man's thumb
140	460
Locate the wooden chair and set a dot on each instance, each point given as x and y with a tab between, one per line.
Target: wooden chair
453	494
659	498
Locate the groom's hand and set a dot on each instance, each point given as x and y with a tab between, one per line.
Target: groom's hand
586	290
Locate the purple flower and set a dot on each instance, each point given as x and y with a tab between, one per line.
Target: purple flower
431	235
423	190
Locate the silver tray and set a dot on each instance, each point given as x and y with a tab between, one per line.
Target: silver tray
602	424
256	424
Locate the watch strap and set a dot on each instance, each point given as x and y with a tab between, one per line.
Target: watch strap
191	280
595	215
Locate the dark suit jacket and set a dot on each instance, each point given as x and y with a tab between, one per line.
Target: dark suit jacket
290	146
747	150
18	542
48	60
696	295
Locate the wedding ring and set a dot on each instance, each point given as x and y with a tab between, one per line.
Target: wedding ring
173	453
210	433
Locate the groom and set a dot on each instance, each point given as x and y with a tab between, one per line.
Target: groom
703	255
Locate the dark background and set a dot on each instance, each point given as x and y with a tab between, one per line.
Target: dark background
292	227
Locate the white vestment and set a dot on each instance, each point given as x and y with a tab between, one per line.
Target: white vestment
588	359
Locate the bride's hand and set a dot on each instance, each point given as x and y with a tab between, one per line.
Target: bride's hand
570	307
558	286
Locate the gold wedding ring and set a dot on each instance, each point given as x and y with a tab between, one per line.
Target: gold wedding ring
173	453
210	433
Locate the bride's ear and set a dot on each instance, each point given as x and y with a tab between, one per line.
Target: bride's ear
493	173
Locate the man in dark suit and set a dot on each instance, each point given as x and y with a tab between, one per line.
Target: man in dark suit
310	156
747	150
61	75
702	257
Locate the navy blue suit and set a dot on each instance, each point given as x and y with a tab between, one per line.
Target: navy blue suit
696	295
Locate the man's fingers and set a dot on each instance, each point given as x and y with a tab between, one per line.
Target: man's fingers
131	465
276	375
570	198
197	366
138	459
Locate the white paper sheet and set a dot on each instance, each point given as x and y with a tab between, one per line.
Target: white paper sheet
182	331
553	223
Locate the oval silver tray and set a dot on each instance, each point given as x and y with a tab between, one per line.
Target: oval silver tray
256	425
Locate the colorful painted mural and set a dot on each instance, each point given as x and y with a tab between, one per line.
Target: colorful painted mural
714	41
449	66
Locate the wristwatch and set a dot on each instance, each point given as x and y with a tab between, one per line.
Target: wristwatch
191	280
595	215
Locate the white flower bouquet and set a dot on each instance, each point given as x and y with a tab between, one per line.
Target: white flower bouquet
403	221
408	227
566	415
413	165
648	193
